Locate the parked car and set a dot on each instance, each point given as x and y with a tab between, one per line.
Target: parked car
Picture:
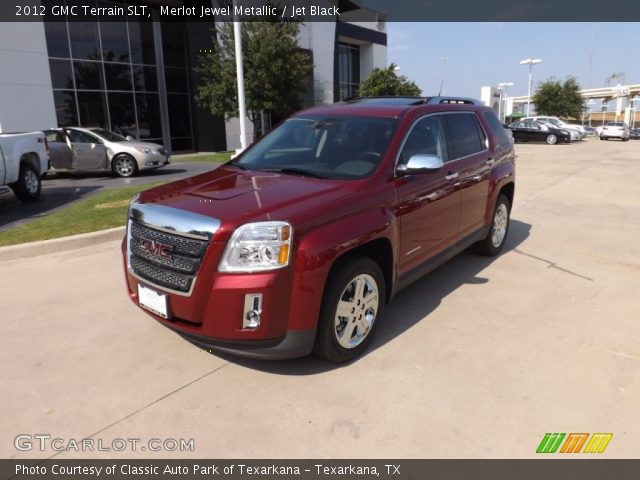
296	245
573	134
634	134
75	148
591	132
24	157
555	121
538	132
615	130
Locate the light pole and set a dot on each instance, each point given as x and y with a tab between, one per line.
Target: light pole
604	110
531	62
502	88
590	104
444	76
634	108
242	111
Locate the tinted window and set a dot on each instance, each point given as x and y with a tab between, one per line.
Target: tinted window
145	78
122	113
92	107
88	75
66	111
426	137
141	38
57	40
463	135
85	42
497	128
61	74
118	76
148	106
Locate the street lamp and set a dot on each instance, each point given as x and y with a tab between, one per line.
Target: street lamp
444	76
604	110
590	104
502	87
531	62
634	100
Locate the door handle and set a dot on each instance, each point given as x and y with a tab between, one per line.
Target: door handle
491	161
451	176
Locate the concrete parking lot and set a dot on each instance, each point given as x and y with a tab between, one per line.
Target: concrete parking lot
479	359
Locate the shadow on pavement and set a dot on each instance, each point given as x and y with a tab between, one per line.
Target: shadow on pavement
13	212
409	307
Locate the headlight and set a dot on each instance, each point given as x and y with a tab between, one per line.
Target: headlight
258	247
144	150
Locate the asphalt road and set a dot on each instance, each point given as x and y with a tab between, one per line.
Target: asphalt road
59	190
479	359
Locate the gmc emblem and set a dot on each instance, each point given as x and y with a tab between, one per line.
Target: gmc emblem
156	248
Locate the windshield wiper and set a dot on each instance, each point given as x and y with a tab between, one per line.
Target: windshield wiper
294	171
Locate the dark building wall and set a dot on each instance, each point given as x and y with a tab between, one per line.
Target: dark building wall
209	131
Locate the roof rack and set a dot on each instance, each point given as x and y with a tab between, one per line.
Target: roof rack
454	100
411	101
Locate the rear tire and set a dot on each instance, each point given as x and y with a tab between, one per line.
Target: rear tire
29	185
493	243
351	309
124	165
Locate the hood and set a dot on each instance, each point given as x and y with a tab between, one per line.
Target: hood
237	196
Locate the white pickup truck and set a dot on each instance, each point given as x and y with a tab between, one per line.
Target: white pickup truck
24	159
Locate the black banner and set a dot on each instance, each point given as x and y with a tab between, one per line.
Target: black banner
542	469
324	10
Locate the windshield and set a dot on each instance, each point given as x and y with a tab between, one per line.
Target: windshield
335	147
108	135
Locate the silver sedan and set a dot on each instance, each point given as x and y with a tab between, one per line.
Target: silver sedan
74	148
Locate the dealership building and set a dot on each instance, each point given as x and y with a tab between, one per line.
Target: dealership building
138	78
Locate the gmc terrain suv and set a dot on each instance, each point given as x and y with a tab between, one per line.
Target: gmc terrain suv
296	245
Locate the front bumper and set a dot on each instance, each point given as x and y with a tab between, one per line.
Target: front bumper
212	315
151	160
294	344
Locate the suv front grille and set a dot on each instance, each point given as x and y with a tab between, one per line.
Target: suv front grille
165	259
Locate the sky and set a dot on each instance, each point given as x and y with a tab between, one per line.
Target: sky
481	54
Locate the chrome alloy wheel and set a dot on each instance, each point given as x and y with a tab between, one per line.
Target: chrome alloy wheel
125	166
31	182
356	312
500	222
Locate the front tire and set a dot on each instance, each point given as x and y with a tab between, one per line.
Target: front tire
493	243
552	139
29	185
124	166
351	308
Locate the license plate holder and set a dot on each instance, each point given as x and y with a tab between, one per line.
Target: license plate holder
153	301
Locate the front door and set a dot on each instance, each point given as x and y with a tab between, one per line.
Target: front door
428	204
60	155
89	152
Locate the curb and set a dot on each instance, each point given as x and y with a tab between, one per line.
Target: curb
55	245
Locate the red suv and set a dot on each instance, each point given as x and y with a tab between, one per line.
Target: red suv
296	245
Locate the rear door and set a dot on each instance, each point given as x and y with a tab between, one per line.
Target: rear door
469	163
89	152
428	203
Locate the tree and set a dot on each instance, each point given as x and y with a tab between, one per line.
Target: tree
276	71
385	82
559	99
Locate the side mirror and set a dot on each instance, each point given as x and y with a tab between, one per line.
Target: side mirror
421	163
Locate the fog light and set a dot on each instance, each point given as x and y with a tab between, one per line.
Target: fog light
252	311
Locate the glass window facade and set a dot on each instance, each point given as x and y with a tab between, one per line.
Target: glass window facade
105	74
348	70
